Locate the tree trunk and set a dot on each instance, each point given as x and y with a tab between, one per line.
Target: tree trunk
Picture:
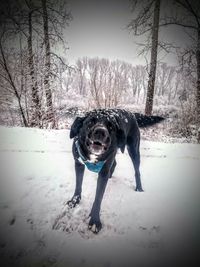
10	79
96	92
23	82
36	105
153	63
198	85
50	116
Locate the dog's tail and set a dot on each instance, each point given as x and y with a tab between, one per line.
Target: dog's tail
145	121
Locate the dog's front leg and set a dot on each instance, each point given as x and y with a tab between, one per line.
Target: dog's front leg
79	169
95	224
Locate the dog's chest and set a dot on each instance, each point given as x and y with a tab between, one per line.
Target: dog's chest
93	158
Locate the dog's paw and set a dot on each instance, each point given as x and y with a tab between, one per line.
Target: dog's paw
94	225
139	189
74	201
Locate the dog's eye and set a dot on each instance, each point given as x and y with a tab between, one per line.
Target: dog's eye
91	122
107	140
90	125
110	126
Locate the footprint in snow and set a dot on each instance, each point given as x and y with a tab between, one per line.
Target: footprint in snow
73	220
12	220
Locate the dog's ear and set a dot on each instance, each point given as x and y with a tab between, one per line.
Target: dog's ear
76	126
121	139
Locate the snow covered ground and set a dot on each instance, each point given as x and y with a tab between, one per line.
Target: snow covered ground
159	227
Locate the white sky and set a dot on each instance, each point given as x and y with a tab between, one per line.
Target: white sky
99	29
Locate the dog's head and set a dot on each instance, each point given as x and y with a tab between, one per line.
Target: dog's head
97	133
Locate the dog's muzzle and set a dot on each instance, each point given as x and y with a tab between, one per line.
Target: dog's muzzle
98	140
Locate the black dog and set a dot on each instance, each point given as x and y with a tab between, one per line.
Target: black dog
97	136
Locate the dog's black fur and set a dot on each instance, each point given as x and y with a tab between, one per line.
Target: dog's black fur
100	133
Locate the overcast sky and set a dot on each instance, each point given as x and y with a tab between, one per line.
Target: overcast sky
99	29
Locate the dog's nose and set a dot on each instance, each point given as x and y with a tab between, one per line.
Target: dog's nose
100	133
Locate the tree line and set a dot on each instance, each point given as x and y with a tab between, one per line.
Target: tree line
33	75
106	84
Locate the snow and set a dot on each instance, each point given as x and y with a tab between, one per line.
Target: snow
158	227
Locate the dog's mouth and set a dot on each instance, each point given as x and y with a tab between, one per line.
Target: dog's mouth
96	147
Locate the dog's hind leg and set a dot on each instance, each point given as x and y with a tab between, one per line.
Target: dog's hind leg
79	169
134	153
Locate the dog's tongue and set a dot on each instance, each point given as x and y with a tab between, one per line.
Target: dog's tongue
97	148
97	145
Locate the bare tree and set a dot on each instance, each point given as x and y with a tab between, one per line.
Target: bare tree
108	81
147	20
18	20
165	78
39	26
81	71
6	75
94	88
138	78
187	16
153	62
36	114
50	115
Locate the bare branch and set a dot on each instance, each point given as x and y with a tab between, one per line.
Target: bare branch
142	23
62	61
178	24
189	9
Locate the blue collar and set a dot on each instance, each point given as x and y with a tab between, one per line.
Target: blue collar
94	167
